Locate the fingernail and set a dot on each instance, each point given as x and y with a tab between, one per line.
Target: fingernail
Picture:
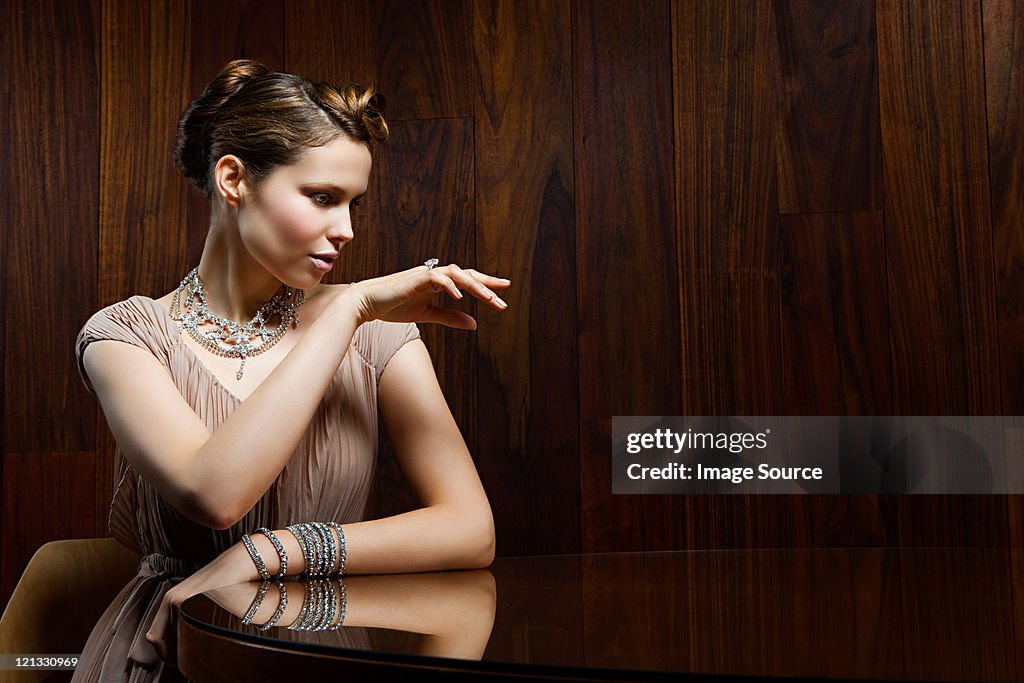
500	302
459	292
505	279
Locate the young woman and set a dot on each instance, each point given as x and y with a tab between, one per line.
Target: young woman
248	398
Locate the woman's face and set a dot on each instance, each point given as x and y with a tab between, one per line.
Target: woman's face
295	222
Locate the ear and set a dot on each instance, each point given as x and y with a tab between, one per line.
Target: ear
229	180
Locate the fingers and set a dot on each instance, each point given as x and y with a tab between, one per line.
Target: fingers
450	317
474	282
442	281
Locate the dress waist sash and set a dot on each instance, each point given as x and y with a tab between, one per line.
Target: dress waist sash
156	564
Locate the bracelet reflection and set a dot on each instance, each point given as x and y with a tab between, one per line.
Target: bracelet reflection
438	614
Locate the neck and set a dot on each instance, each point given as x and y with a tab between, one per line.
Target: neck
236	284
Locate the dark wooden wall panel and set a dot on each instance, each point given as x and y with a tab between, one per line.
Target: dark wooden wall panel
835	345
725	109
1004	82
938	230
835	318
527	364
423	56
939	243
51	205
427	171
142	199
829	134
627	318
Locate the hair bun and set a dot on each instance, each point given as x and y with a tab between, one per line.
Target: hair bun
192	147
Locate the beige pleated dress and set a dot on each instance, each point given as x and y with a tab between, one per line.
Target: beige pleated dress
327	478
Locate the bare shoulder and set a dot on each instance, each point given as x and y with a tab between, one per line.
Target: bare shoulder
166	299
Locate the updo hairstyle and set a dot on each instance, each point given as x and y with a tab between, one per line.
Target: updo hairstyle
267	118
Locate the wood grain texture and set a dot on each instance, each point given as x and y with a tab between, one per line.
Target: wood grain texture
938	228
835	318
968	589
725	110
427	180
46	497
218	33
939	244
801	613
627	302
527	359
424	57
142	224
539	611
1003	24
829	153
49	217
330	41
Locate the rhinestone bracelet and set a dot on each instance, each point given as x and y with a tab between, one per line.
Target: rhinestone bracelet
257	601
332	554
323	601
261	566
299	533
341	546
280	608
343	600
281	554
327	565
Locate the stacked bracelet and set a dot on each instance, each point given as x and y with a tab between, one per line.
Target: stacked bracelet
324	556
261	566
324	602
341	548
257	601
281	554
280	608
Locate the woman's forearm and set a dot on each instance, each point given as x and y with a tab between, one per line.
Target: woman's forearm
241	459
427	539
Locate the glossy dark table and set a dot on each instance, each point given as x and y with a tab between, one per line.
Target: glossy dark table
868	614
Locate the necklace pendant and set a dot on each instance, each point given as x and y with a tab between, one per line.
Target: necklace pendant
241	369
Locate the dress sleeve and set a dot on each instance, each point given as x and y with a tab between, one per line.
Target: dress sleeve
382	341
125	321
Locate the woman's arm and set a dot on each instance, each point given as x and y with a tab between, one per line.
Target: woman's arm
216	478
454	530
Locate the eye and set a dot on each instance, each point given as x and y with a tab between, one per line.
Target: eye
321	198
355	204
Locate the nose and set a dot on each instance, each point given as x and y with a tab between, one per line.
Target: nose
340	229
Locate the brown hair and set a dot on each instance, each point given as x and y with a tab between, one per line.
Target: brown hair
267	118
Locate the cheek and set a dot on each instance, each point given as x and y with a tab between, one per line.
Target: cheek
290	222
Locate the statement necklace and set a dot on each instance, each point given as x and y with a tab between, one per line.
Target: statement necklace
229	339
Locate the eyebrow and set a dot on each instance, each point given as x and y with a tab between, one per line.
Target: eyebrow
331	187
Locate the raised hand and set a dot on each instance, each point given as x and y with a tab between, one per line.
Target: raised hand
407	296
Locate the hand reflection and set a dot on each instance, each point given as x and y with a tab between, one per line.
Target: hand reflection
453	612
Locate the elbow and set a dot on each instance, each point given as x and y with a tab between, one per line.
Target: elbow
481	549
223	522
214	514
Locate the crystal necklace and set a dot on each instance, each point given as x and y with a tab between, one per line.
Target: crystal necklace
227	338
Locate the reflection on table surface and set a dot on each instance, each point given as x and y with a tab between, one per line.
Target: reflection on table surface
922	614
